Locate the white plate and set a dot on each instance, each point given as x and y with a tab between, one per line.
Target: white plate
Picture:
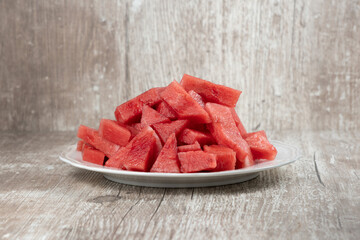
286	154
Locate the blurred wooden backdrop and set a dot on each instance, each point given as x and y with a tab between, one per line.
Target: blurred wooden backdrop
63	63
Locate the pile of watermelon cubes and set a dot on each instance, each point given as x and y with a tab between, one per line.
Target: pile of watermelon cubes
182	128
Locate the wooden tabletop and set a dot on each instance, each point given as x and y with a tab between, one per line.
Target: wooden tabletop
317	197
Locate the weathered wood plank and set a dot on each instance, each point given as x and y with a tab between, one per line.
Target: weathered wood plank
41	197
62	63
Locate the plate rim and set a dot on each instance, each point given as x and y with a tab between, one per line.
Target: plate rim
107	170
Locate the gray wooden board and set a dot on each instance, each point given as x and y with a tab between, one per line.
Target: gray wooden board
63	63
317	197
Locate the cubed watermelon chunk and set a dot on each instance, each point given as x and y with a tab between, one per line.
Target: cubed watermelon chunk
138	126
262	132
92	137
183	104
225	132
90	154
130	111
166	110
138	154
238	122
80	145
197	98
190	136
164	130
134	131
211	92
115	133
225	157
167	161
151	116
192	147
196	161
260	146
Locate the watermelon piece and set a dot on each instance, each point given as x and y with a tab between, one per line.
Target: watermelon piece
197	98
192	147
211	92
196	161
166	111
138	154
138	126
225	157
130	111
225	132
238	122
114	132
133	130
80	145
167	161
92	137
260	146
151	116
190	136
164	130
183	104
262	132
90	154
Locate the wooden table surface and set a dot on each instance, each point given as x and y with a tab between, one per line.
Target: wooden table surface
317	197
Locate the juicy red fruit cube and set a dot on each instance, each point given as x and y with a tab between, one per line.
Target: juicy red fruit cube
192	147
211	92
151	116
196	161
130	111
167	161
225	132
90	154
225	157
260	146
92	137
190	136
113	132
183	104
139	154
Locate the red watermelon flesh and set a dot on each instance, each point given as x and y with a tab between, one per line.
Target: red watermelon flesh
196	161
260	146
262	132
134	131
114	132
138	126
164	130
80	145
225	132
138	154
238	122
192	147
198	127
183	104
166	111
190	136
90	154
197	98
151	116
211	92
225	157
92	137
130	111
167	161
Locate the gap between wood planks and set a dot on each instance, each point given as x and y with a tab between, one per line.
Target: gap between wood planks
317	171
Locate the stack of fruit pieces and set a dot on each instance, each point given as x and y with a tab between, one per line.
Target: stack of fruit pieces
182	128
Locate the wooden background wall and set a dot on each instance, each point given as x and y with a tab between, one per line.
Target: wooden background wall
63	63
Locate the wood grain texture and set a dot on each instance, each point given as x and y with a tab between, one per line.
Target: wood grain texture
63	63
317	197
